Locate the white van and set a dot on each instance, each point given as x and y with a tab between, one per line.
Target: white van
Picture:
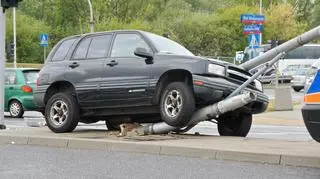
305	55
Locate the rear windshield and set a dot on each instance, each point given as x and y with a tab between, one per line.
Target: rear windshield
30	76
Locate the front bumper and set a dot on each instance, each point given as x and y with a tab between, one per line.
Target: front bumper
217	89
311	113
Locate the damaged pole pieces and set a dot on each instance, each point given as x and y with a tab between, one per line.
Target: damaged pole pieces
209	112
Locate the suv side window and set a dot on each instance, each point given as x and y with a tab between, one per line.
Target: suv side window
10	77
99	46
125	45
81	52
63	49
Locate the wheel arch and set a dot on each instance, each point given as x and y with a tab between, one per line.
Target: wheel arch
13	99
59	86
169	76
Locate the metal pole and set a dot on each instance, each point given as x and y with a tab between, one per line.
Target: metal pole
2	63
260	14
91	17
44	54
14	39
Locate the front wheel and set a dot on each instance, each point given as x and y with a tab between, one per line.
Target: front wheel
62	113
177	104
235	126
16	109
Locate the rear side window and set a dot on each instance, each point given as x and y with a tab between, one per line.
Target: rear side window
30	76
63	49
10	77
82	49
99	46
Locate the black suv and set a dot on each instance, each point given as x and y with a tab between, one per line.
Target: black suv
137	76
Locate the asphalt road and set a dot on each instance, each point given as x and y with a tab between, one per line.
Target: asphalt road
40	162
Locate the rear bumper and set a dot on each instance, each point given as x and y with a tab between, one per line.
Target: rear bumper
28	103
38	95
311	113
216	89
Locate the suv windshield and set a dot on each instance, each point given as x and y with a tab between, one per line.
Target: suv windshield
165	45
30	76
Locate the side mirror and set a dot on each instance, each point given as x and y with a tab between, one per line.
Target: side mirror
142	52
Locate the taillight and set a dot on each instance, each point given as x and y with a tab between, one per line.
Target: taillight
26	89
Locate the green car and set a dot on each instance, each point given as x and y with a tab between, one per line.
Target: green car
19	85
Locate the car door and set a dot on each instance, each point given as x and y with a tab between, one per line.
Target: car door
86	66
126	77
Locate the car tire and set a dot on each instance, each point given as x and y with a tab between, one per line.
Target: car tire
297	89
16	109
235	126
177	104
62	113
112	126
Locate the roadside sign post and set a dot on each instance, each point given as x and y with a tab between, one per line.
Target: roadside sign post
44	41
239	57
253	27
2	64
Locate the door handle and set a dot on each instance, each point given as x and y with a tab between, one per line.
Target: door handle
74	65
112	63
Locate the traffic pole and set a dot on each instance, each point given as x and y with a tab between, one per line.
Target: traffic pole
91	17
14	39
260	14
2	64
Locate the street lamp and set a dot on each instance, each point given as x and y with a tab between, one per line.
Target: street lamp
260	14
91	17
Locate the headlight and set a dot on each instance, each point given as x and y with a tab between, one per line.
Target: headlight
258	85
217	69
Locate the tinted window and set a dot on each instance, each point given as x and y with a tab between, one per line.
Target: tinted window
99	46
10	77
30	76
305	52
82	49
63	49
126	44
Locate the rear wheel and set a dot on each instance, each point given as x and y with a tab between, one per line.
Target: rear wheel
16	109
297	89
112	126
177	104
62	113
235	126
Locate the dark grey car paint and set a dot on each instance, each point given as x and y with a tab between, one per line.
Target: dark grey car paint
132	82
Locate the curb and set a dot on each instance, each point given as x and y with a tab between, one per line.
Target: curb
156	149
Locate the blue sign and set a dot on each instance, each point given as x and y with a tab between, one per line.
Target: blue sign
254	40
44	40
252	29
252	19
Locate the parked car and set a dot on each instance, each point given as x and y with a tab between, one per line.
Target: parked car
19	85
299	78
137	76
270	77
311	74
